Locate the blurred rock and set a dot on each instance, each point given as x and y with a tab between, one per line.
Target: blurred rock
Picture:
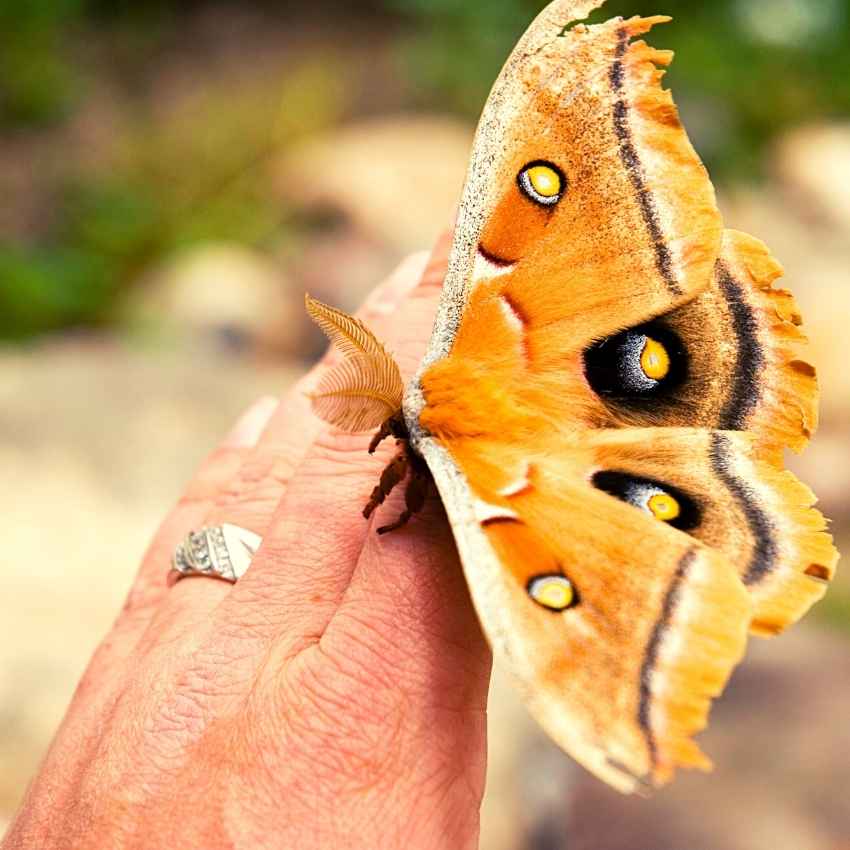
813	163
95	444
369	194
225	296
339	266
398	179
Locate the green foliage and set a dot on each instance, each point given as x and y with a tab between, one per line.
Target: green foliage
36	81
457	48
745	69
52	288
200	176
749	67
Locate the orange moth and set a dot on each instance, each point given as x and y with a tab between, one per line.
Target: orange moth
610	385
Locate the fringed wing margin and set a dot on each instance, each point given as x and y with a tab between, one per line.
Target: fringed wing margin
787	411
785	416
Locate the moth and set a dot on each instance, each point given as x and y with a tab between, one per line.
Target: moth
604	404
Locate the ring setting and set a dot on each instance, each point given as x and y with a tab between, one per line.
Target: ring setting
219	551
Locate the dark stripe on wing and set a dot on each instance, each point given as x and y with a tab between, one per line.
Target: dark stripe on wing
650	656
746	389
765	549
493	258
630	158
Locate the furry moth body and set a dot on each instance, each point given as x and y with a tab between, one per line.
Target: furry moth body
603	407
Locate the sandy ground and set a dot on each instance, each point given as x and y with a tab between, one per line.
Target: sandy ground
96	443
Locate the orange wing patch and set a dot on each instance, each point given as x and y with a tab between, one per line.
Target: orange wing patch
616	240
621	239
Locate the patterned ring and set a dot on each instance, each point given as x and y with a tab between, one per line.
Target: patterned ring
220	551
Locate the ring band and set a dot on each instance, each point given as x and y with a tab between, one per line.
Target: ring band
220	551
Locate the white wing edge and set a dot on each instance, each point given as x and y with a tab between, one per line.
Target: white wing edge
480	194
481	566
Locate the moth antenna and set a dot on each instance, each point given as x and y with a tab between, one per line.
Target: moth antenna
347	333
365	389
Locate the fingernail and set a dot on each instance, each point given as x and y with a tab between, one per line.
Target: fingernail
251	424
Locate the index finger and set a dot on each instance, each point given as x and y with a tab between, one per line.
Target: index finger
314	540
262	479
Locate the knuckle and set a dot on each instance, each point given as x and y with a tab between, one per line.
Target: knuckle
196	496
342	453
351	733
191	696
182	715
258	484
220	465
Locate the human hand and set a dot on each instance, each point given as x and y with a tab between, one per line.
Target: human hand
334	698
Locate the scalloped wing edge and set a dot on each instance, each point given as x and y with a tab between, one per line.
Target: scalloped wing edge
806	558
696	659
694	652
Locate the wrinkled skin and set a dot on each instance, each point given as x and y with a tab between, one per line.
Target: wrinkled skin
333	698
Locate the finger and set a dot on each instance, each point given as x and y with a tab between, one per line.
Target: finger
107	673
254	493
212	478
281	442
149	587
317	532
406	603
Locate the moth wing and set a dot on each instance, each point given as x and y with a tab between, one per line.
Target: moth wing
783	404
629	200
619	239
747	358
622	679
730	498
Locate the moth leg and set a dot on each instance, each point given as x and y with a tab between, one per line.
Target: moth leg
393	473
393	426
380	435
414	495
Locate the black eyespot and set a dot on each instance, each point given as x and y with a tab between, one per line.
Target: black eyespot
636	365
542	182
663	501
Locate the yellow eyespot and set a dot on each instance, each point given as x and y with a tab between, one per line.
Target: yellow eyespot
553	591
545	180
654	360
664	507
542	182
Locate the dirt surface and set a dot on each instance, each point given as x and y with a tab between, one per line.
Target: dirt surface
96	441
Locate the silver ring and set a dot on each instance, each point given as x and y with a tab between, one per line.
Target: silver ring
220	551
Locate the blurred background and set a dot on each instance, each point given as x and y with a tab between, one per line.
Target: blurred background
175	175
